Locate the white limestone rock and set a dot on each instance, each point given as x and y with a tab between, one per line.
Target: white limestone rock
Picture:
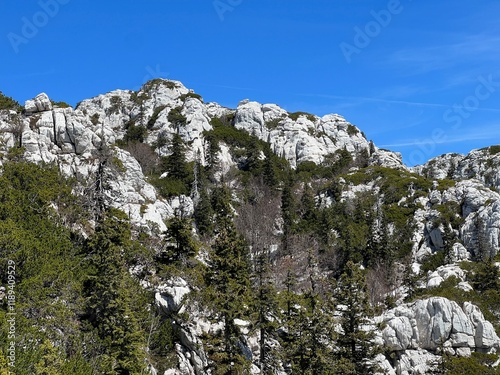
39	104
170	296
459	253
435	278
420	328
440	167
308	138
417	362
388	159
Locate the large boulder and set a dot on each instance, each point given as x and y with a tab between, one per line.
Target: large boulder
39	104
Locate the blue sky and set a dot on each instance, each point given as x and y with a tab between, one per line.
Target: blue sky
421	78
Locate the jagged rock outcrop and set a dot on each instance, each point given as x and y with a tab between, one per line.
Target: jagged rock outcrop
420	330
77	139
435	278
480	164
68	138
388	159
40	103
301	137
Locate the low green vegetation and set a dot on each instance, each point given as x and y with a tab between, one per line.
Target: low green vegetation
154	116
352	130
191	94
6	102
295	116
494	150
53	267
60	104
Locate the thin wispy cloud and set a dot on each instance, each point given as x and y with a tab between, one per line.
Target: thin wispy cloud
362	99
485	132
472	48
28	75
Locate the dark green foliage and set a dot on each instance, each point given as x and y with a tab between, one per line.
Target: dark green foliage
212	150
116	105
203	214
274	123
181	244
94	119
433	261
225	132
154	116
308	211
161	140
6	102
134	133
48	279
191	94
179	173
334	164
493	150
115	302
228	282
162	343
486	276
352	130
60	104
176	118
339	162
394	184
309	325
487	299
139	97
265	308
175	164
446	184
248	149
148	86
295	116
288	213
354	342
477	364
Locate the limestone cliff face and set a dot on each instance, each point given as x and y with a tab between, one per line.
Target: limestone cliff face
74	139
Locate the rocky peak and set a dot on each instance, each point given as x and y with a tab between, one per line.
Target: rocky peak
39	104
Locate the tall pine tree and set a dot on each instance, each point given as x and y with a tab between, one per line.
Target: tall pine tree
355	342
229	283
112	295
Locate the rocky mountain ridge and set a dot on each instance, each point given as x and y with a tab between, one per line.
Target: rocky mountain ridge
452	200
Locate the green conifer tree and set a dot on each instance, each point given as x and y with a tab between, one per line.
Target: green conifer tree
354	343
229	282
112	296
181	243
175	164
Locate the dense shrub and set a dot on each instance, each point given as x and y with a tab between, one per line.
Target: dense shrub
191	94
176	118
295	116
60	104
6	102
154	116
